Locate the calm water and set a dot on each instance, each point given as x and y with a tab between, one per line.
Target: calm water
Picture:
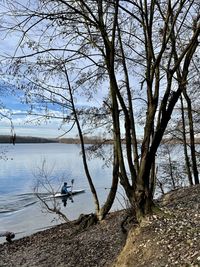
20	210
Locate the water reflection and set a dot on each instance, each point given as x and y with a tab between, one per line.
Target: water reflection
65	199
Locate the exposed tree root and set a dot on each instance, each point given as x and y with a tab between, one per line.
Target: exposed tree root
129	220
86	220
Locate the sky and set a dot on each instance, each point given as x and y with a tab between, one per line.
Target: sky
13	109
11	106
25	125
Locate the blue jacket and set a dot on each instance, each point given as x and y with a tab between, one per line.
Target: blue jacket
64	189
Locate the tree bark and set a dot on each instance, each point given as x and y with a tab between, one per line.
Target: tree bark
111	196
192	140
187	160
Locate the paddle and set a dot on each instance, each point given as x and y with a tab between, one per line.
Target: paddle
72	182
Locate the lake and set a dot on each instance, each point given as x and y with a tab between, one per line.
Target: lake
20	210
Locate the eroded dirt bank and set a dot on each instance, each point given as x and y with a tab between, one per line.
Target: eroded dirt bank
169	238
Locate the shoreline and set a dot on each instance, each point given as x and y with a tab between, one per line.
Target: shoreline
169	237
67	245
89	140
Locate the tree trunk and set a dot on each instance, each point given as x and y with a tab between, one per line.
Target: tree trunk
142	195
111	196
187	160
192	141
154	170
143	202
89	178
171	170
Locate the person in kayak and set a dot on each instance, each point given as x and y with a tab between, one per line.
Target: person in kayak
64	189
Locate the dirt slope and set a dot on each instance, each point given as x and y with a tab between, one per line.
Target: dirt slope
169	238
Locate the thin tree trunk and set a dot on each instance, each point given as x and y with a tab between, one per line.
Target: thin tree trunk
192	141
153	179
92	188
111	196
131	114
187	160
171	170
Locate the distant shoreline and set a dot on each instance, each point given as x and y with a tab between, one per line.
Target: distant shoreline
6	139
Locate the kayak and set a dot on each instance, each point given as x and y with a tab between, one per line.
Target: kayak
70	193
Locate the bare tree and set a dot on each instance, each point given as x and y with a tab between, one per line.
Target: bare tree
45	191
130	48
171	170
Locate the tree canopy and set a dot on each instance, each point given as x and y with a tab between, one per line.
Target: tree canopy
136	56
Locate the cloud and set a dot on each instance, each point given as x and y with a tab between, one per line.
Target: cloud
32	125
23	128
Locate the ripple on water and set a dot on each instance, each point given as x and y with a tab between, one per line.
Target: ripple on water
11	204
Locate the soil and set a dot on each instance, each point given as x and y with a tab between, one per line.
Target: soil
170	237
67	245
